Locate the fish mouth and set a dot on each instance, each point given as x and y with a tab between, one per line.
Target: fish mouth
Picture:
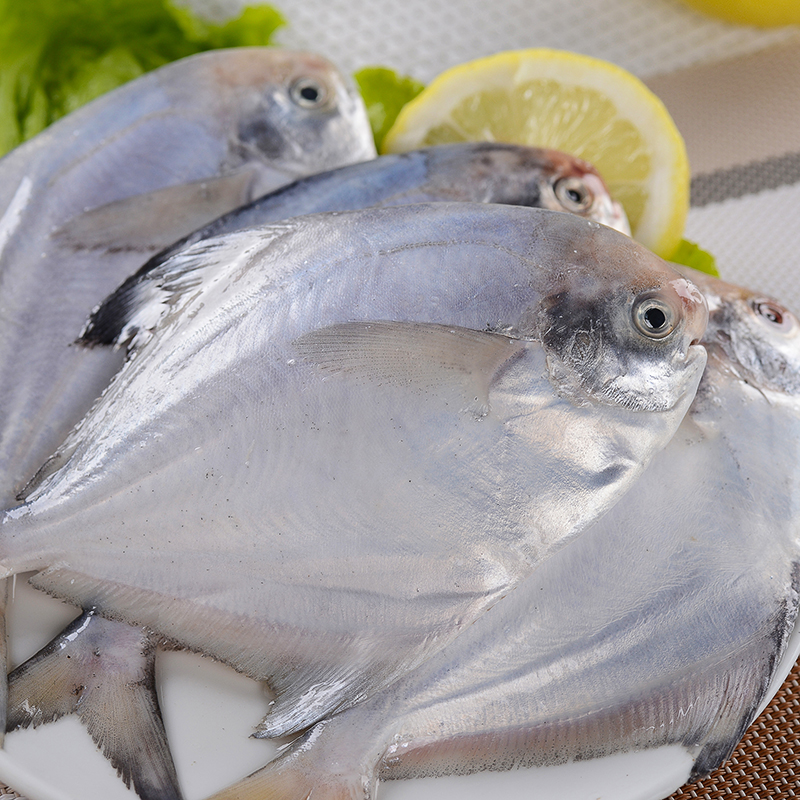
695	309
696	350
686	377
696	359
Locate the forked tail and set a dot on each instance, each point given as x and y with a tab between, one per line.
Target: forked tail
103	672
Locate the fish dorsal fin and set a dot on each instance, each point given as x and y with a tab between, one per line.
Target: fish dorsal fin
82	672
422	355
146	223
128	316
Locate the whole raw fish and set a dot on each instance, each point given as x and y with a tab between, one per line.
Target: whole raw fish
84	665
343	438
151	161
157	157
662	625
478	172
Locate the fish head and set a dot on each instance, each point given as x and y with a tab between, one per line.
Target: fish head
622	327
750	336
568	183
749	399
535	177
292	111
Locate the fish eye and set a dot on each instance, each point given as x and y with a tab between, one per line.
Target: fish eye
774	314
573	194
308	93
653	317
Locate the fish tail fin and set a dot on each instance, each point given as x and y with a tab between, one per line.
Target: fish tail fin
302	773
102	671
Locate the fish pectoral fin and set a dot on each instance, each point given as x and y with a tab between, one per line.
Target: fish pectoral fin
102	671
432	357
145	223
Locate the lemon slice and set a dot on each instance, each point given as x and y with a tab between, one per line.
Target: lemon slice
765	13
569	102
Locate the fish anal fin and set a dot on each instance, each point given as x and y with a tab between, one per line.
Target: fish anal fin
427	356
298	774
154	220
102	671
747	685
262	785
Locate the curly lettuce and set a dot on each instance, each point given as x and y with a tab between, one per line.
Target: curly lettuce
385	93
56	55
691	255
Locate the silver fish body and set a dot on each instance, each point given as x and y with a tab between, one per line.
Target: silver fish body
87	656
156	157
81	206
662	625
482	172
336	444
477	172
473	172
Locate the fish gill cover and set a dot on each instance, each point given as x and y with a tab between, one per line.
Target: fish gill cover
56	55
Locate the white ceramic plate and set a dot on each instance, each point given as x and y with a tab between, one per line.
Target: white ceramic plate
210	712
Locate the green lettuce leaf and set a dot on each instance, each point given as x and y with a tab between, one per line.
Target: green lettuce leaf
691	255
385	93
56	55
252	28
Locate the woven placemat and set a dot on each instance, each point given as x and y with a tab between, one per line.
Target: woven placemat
766	764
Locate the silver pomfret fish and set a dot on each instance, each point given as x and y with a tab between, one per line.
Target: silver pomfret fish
661	626
346	431
83	203
156	158
478	172
86	656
